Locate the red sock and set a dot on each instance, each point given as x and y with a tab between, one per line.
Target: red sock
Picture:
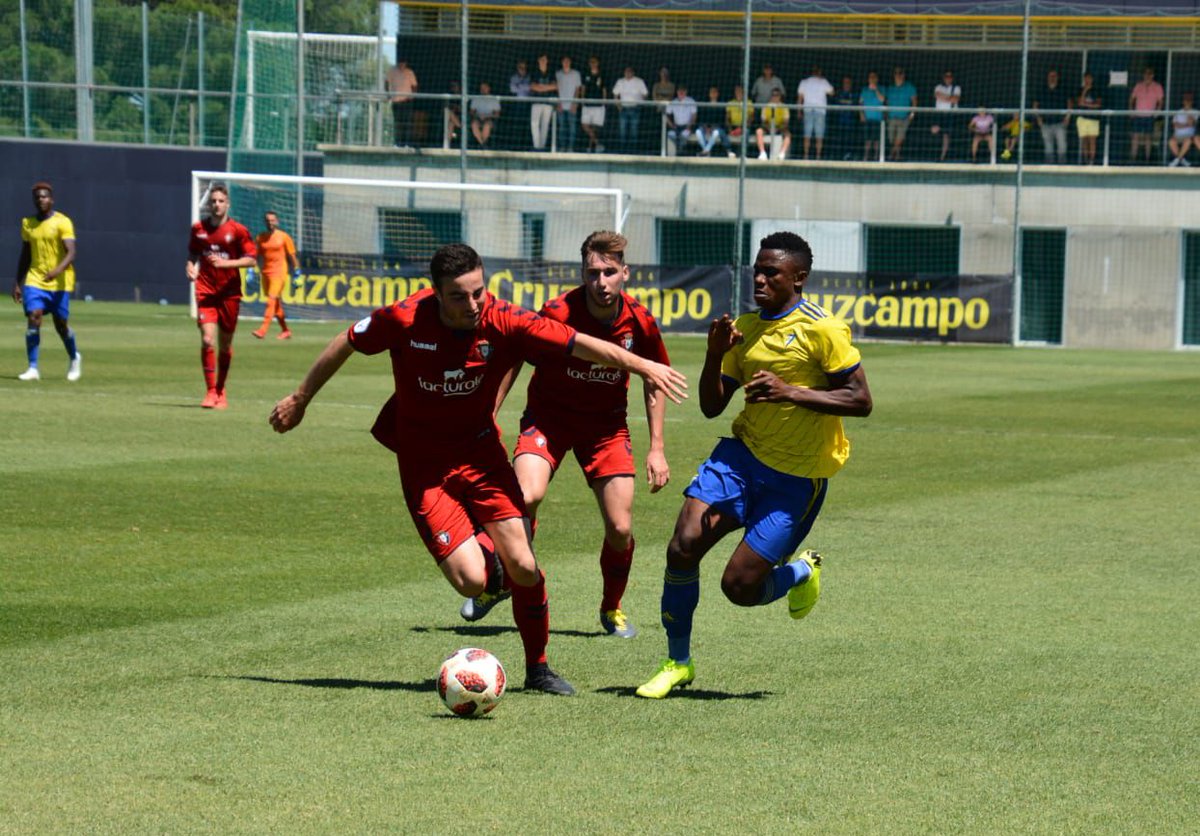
223	360
532	615
208	366
614	566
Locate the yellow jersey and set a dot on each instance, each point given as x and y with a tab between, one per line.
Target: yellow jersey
803	347
46	238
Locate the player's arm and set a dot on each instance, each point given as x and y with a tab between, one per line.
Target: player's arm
289	411
658	472
506	384
67	259
670	381
847	394
23	262
715	388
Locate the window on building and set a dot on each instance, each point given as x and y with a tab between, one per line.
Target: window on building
414	235
912	249
684	243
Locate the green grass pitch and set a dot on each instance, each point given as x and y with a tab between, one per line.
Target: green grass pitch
205	626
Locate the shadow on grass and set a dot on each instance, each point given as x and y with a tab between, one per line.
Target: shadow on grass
344	684
690	694
498	629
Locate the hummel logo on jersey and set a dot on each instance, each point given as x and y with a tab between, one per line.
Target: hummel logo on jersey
423	346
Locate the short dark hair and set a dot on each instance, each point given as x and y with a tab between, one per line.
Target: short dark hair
605	242
219	187
42	184
792	244
452	261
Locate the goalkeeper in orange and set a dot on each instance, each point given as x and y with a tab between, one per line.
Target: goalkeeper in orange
276	251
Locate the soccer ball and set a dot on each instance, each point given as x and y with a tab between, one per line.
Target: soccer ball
471	682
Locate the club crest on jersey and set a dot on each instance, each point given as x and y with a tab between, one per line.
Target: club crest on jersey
443	537
361	325
627	342
485	349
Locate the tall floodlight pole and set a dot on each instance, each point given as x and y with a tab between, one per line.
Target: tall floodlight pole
300	122
25	74
200	72
1017	250
145	73
84	75
464	55
739	232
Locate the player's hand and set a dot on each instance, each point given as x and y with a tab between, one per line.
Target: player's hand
288	413
658	472
193	270
297	274
722	335
17	293
767	387
671	382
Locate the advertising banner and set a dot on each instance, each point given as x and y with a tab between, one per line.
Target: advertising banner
683	299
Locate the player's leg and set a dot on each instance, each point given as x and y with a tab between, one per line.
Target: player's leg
62	325
206	321
34	310
226	325
615	498
534	472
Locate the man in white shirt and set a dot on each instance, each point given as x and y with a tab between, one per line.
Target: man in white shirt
946	97
569	81
681	116
630	91
813	95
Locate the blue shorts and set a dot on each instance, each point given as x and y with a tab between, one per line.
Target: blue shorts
54	302
776	509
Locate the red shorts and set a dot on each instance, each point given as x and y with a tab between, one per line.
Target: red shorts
602	448
448	499
222	310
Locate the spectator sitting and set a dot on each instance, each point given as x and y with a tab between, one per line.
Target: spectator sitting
733	118
980	127
452	114
1013	130
485	110
1184	139
681	119
710	132
774	122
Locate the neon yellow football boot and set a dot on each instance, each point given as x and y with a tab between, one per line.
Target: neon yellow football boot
670	674
803	597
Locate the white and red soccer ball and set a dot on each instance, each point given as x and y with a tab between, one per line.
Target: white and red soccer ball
471	682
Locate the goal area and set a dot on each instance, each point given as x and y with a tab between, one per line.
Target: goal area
366	243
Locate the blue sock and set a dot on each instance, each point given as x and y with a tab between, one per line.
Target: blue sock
681	596
33	339
783	578
69	341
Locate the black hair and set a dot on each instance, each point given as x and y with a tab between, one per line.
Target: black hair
793	245
452	261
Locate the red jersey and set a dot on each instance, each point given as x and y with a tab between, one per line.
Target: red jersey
229	240
447	380
577	386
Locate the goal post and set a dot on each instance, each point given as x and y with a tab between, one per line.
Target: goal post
364	243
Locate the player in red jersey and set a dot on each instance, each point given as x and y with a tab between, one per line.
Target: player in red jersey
451	349
575	405
218	248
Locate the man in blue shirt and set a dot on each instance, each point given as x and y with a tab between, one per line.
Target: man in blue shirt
901	98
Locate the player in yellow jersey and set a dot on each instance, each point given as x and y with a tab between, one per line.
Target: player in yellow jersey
800	375
46	278
276	251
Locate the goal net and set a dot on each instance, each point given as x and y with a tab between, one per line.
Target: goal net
367	243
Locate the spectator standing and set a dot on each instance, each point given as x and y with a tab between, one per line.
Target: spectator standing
845	121
664	89
765	84
485	110
901	98
401	84
1087	125
775	123
1053	97
946	97
734	129
594	94
1184	132
518	111
1147	99
873	101
681	116
813	95
629	91
569	86
46	278
542	88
